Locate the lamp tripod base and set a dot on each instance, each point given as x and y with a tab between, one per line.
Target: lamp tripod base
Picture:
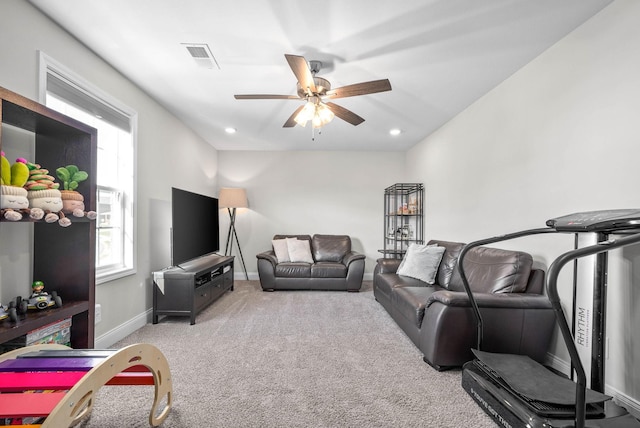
231	235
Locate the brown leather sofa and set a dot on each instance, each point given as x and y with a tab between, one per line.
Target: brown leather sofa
334	266
438	318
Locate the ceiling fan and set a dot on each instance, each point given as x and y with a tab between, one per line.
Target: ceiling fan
316	91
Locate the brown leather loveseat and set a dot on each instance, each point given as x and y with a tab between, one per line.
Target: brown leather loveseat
321	262
438	318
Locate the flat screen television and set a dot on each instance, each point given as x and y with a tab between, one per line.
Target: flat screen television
195	229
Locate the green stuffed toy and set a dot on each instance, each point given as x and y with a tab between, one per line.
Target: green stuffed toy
43	193
72	200
13	196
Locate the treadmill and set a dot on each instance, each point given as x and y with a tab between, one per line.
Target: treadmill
517	391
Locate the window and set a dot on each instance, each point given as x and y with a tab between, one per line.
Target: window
64	91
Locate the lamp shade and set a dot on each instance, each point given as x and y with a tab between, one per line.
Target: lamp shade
230	197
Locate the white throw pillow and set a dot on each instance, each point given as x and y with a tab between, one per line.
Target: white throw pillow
299	250
281	250
404	259
421	262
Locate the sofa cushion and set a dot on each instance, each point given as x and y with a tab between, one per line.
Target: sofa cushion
328	270
293	270
299	250
330	248
421	262
281	250
493	270
386	282
449	260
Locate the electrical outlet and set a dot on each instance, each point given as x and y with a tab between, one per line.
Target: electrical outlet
98	316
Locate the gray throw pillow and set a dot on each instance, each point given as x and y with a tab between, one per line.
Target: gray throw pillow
421	262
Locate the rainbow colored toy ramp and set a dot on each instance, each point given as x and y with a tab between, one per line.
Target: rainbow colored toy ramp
56	385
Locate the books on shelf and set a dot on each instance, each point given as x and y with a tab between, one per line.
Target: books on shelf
57	332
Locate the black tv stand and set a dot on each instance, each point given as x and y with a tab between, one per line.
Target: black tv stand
187	289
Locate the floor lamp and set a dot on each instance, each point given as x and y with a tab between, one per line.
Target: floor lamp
232	198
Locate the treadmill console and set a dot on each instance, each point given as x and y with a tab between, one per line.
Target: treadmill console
597	221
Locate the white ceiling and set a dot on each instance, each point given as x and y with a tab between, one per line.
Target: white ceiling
440	56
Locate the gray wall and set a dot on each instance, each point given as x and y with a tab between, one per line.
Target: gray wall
307	193
168	154
559	136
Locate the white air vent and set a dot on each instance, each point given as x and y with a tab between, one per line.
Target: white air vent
202	55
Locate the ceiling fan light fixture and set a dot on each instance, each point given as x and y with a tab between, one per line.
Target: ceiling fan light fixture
316	112
306	114
323	115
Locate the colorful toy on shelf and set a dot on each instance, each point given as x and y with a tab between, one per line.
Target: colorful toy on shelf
14	203
28	189
9	312
40	299
72	200
43	193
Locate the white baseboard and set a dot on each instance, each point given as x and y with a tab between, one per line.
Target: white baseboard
107	340
558	364
632	405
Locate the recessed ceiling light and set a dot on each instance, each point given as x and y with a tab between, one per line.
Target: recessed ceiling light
395	132
230	130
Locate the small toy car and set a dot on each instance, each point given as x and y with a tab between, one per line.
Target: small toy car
9	312
44	301
39	298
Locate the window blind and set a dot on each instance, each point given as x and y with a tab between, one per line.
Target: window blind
73	94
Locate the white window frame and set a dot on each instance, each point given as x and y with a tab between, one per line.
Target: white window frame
48	65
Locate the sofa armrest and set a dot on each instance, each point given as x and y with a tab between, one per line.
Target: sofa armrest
387	265
270	256
352	256
491	300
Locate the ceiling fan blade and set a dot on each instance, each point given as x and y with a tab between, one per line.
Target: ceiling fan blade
344	114
266	97
301	69
360	89
290	123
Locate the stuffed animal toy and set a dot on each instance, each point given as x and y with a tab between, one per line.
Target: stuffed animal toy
72	200
13	196
43	193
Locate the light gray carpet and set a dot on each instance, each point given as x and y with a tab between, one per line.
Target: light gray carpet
292	359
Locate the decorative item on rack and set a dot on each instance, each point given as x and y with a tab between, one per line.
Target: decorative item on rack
28	189
43	193
40	299
413	205
403	218
232	198
13	196
9	311
72	200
